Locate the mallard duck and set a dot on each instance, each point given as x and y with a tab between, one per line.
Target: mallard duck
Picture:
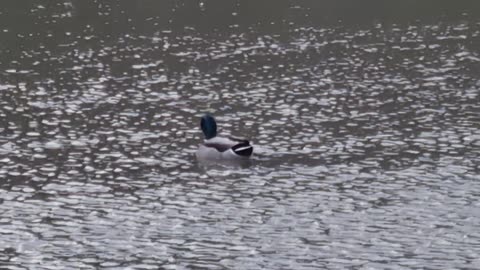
221	148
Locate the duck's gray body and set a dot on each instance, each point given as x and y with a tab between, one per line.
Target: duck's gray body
221	148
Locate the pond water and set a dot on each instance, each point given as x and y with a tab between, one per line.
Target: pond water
366	139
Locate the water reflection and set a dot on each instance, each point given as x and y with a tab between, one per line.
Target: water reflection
366	143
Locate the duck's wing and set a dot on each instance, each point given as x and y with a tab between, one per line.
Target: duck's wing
218	147
220	144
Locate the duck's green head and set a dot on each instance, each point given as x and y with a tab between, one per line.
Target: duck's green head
209	126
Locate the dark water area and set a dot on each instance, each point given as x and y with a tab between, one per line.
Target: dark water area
364	115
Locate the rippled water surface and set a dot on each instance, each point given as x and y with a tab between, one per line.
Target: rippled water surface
366	140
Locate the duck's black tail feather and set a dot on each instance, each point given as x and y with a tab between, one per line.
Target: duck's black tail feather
243	149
